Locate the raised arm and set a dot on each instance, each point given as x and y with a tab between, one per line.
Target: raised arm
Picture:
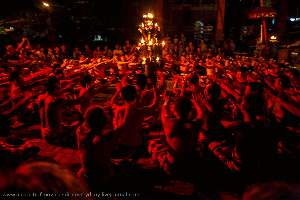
267	83
22	43
230	91
164	116
66	88
246	116
154	100
288	106
175	83
183	84
113	99
199	111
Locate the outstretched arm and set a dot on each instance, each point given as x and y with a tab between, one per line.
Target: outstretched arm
16	107
289	107
230	91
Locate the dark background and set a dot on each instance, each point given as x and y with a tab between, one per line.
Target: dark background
115	20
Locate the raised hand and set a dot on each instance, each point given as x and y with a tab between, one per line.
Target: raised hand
194	99
166	98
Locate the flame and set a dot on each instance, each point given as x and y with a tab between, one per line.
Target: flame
150	15
46	4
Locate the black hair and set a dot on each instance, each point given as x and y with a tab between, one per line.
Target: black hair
255	100
176	69
295	73
250	68
55	66
214	90
285	81
256	87
14	75
194	79
141	81
183	106
51	84
255	104
129	93
244	69
283	66
95	118
59	71
86	79
201	71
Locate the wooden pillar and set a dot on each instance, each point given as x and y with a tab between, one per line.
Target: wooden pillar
219	37
265	33
264	30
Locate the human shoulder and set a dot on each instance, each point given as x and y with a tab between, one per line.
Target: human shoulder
41	98
105	137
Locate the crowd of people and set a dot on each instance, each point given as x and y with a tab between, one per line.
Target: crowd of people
199	114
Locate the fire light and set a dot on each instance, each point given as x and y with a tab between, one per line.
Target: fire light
45	4
150	15
149	46
273	38
144	61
